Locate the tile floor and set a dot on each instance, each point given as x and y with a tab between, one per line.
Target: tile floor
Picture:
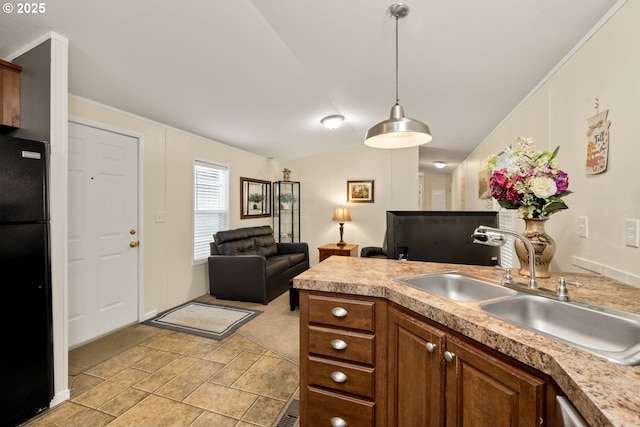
180	380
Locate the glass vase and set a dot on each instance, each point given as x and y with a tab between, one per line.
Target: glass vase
543	244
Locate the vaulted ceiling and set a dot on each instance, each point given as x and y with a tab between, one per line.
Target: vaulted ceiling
260	74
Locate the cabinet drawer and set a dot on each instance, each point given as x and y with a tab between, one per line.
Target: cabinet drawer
342	312
358	347
342	377
324	405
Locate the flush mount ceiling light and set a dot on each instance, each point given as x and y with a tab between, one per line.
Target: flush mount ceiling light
332	122
439	165
398	131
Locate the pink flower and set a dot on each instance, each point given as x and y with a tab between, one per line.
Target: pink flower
562	182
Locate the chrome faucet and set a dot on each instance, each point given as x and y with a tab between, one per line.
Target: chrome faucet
496	237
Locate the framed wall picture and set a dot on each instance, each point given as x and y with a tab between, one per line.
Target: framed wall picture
360	191
255	198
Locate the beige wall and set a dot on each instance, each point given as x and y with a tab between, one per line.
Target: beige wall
606	67
435	181
324	186
170	278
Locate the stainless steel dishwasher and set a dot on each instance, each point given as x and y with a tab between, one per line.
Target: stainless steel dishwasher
567	414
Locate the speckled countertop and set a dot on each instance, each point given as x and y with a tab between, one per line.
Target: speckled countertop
605	393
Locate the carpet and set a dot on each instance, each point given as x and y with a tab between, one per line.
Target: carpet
205	320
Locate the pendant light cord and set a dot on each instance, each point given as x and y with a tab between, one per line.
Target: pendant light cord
397	97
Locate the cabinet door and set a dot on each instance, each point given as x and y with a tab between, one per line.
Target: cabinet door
416	372
485	391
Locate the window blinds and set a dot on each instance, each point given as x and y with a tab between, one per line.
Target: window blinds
210	208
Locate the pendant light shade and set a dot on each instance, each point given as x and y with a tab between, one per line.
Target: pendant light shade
398	131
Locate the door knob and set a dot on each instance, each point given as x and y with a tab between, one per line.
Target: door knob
133	244
132	231
431	347
449	356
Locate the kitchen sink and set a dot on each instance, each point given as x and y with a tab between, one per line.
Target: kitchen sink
610	333
456	286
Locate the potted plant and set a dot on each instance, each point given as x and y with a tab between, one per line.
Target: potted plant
255	198
286	199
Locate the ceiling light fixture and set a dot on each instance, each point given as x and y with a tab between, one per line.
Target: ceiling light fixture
439	165
398	131
332	122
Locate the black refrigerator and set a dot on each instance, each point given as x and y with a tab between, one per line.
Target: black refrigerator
26	387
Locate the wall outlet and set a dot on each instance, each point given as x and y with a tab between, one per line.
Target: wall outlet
583	227
631	232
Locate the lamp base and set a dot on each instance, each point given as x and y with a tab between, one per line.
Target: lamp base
341	242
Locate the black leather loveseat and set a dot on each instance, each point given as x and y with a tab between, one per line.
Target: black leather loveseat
247	264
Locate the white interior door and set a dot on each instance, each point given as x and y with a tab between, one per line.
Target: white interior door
103	232
438	202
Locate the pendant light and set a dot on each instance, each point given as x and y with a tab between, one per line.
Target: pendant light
398	131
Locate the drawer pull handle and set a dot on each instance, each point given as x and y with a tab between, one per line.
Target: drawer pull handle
338	377
338	422
449	356
338	345
431	347
339	312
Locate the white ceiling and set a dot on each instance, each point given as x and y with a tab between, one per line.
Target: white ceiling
260	74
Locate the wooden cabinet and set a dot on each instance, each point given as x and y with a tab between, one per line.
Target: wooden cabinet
325	251
9	94
369	362
416	372
342	361
483	390
437	379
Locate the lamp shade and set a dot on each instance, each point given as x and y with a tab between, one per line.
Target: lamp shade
341	215
398	132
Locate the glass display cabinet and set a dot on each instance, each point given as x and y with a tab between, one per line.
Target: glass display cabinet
286	211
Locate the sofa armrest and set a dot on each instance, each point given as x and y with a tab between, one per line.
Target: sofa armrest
238	277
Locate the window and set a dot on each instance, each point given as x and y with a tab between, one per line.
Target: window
210	205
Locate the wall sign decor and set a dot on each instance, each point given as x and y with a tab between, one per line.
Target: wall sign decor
360	191
597	142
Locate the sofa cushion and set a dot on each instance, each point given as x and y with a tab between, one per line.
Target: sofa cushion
263	230
277	265
297	258
266	245
237	247
230	235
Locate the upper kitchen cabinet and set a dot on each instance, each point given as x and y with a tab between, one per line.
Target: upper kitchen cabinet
9	94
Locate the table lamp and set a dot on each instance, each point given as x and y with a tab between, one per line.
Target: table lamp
341	215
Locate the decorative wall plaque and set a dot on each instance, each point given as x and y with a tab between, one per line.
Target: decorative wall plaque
598	143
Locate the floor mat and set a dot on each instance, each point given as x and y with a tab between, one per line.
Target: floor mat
205	320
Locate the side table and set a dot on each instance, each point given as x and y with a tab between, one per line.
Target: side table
329	249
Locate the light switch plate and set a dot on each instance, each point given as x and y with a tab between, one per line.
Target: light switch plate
583	227
160	216
631	232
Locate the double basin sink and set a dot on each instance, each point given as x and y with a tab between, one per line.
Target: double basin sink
606	332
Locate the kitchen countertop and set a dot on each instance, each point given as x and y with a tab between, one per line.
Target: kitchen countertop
605	393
